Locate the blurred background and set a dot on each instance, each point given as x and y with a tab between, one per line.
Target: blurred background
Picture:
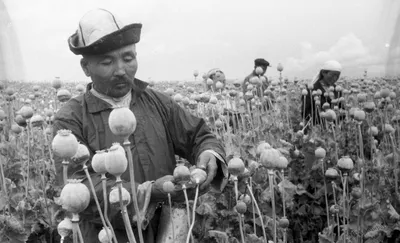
180	36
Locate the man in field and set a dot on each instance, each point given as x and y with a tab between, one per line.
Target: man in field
164	129
260	68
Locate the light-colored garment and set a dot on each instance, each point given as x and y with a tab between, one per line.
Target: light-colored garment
114	102
331	65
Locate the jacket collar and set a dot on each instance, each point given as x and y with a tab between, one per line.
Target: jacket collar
95	104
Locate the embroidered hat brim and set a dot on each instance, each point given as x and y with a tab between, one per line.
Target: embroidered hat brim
129	34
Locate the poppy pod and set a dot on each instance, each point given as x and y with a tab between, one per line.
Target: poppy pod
82	154
116	161
64	144
114	197
75	196
105	235
64	228
331	173
236	166
345	164
178	98
26	112
181	174
170	91
320	153
198	176
99	162
168	187
122	122
36	121
279	67
56	83
63	95
270	158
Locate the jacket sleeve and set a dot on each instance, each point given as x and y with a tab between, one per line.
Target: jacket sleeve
191	136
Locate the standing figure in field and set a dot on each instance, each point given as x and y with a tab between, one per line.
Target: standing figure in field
215	80
260	68
325	78
164	129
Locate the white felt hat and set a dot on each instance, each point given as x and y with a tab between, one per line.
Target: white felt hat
100	31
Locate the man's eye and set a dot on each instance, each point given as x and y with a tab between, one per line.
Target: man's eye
106	62
128	58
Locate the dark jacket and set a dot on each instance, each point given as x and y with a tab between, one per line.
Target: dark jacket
309	105
264	85
164	130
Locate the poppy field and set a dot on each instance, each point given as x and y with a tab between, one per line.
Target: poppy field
289	180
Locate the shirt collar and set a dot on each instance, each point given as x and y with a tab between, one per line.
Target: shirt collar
95	104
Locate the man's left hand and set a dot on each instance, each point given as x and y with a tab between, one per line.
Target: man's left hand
208	162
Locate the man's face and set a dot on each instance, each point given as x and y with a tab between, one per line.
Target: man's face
331	77
112	73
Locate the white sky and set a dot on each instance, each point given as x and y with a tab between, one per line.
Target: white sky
179	36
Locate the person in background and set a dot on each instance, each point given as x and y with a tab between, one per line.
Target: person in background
215	75
325	78
260	68
164	129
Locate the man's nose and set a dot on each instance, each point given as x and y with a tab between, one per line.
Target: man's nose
120	69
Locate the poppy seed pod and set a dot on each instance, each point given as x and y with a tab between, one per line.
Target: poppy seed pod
105	235
122	122
16	129
270	158
210	81
198	176
195	73
261	147
359	115
388	128
80	88
64	144
345	164
320	153
26	112
75	196
64	228
82	154
178	98
279	67
169	91
259	70
369	106
36	121
254	80
115	160
331	173
114	197
385	92
63	95
241	207
213	100
168	187
181	174
373	131
56	83
219	85
282	163
330	115
99	162
236	166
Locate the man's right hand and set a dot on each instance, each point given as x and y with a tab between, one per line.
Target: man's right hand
158	194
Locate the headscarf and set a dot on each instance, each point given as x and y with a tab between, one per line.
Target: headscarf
331	65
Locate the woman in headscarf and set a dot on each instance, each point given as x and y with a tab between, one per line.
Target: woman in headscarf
326	78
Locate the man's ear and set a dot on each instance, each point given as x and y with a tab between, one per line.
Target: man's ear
85	66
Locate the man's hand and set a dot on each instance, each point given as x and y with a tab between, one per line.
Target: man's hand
208	162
